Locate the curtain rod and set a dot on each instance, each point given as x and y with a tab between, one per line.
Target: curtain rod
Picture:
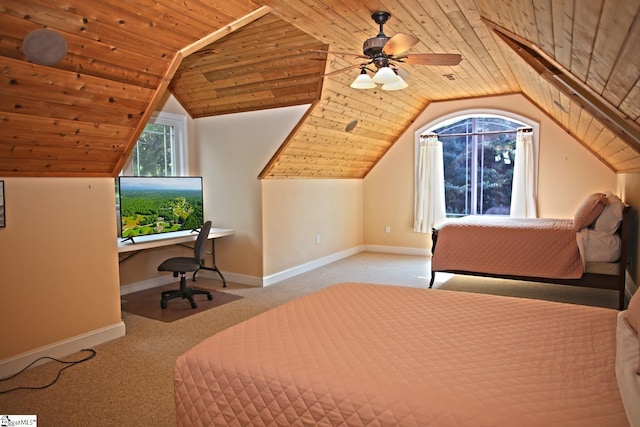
497	132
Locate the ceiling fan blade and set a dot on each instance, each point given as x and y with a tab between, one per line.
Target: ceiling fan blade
351	67
432	59
399	43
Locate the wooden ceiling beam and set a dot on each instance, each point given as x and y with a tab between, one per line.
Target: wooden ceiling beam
226	30
622	126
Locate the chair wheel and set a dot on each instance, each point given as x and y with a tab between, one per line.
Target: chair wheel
163	304
194	305
209	297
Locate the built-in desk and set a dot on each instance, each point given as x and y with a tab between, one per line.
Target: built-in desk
128	248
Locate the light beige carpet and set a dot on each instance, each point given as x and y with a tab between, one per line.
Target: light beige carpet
129	382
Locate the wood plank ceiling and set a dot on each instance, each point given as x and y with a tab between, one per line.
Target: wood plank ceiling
268	63
577	60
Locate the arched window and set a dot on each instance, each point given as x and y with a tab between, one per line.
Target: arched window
479	155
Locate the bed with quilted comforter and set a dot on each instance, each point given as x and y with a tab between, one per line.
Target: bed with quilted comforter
379	355
589	250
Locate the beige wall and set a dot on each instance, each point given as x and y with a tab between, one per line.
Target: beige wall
59	261
305	220
233	151
66	265
270	217
567	174
229	154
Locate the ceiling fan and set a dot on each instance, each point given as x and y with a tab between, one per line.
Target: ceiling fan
386	53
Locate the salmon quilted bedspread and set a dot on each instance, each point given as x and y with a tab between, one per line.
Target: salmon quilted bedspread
532	247
379	355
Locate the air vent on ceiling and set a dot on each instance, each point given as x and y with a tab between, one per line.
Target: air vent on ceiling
44	47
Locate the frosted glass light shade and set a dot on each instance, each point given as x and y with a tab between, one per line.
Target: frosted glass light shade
397	85
363	81
385	75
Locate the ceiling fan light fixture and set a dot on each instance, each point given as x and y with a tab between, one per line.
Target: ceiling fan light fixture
363	81
385	75
386	54
397	85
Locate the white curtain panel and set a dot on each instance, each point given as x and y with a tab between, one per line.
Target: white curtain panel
523	192
430	207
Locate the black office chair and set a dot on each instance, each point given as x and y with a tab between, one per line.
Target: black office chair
182	265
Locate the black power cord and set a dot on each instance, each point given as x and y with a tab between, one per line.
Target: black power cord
91	355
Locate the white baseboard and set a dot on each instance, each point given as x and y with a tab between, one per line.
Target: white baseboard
242	279
398	250
155	282
276	277
165	279
303	268
62	348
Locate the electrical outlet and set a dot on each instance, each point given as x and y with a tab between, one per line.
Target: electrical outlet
387	229
318	239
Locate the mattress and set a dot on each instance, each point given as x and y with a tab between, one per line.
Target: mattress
532	247
380	355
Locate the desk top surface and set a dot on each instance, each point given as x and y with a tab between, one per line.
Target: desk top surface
158	240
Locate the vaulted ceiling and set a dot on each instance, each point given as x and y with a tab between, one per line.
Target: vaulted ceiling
577	60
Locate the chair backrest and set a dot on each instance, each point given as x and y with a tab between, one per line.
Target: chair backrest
200	248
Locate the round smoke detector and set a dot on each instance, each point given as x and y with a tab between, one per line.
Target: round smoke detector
44	47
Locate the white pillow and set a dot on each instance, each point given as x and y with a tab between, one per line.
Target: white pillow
601	247
611	216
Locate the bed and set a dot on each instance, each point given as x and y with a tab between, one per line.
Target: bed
358	354
589	250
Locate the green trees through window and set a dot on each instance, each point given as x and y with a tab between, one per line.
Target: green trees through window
161	149
479	154
153	154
